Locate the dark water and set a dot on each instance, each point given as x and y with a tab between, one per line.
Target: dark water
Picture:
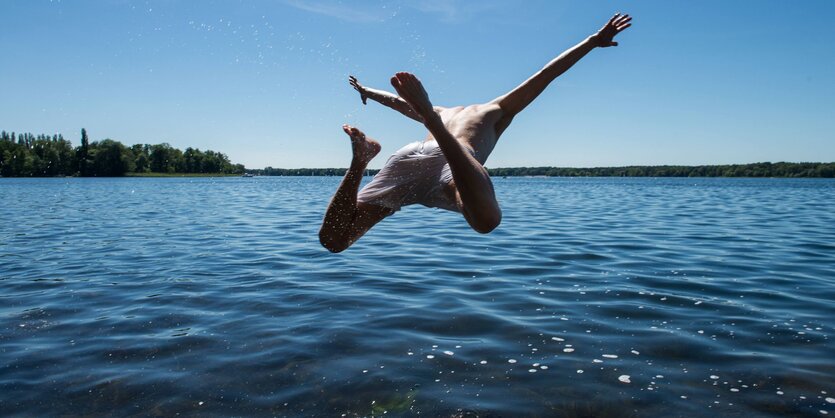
138	297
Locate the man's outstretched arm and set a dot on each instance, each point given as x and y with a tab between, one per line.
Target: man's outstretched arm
520	97
384	98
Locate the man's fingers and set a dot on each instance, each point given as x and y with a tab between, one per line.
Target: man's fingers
620	28
620	22
613	18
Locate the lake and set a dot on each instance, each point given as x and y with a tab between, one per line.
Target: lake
607	297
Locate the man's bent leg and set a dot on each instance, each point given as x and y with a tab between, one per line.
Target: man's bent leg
471	181
338	239
346	220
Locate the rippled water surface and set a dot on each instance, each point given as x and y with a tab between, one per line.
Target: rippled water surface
595	297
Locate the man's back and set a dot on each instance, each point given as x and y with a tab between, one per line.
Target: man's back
474	125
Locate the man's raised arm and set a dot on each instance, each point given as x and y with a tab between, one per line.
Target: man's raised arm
384	98
525	93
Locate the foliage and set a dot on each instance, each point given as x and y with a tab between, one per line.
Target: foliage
25	155
781	169
269	171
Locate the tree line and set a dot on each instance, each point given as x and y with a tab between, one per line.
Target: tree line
27	155
781	169
766	169
269	171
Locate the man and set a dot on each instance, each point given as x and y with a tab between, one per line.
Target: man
447	169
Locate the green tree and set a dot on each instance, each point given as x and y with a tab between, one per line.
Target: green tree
83	154
165	159
111	158
141	158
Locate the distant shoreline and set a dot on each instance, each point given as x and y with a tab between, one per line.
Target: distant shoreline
133	175
765	169
755	170
181	175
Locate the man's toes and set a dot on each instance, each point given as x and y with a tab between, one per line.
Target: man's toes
395	82
403	80
406	78
353	132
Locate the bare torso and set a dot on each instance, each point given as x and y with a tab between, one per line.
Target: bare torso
477	126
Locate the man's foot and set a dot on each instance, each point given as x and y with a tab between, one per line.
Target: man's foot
365	149
411	90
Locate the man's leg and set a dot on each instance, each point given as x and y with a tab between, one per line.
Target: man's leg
346	220
475	190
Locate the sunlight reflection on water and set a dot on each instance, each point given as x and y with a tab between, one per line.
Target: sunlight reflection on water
608	297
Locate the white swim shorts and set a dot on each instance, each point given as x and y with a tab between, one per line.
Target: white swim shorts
416	173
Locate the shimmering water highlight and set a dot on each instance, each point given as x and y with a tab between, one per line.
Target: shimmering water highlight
595	297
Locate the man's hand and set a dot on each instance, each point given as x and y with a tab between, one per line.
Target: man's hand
604	37
358	87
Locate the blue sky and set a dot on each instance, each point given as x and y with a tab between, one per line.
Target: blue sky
709	82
